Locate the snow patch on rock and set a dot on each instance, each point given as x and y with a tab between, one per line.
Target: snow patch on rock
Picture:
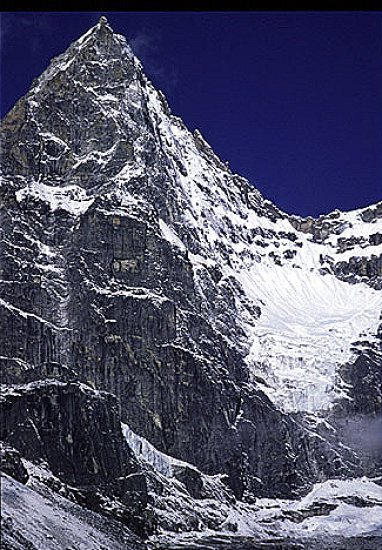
71	198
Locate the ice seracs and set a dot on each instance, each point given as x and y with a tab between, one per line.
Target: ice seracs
305	333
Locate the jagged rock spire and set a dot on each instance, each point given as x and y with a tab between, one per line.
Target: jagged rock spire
98	65
102	31
103	21
103	27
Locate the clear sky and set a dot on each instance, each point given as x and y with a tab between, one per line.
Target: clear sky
292	100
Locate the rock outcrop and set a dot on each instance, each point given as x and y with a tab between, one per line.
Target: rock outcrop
76	430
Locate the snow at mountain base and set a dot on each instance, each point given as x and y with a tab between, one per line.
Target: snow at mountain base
35	518
35	515
349	508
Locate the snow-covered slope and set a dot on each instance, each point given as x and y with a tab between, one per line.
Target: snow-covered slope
309	318
306	331
34	517
339	514
336	514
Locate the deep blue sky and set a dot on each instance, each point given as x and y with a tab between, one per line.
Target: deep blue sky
292	100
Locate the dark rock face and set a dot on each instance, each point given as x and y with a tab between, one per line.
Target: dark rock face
109	222
191	479
76	431
359	420
73	428
11	463
367	270
32	129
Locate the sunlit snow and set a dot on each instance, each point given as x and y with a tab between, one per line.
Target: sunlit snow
71	198
305	332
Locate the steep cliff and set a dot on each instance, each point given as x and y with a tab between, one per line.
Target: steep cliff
233	336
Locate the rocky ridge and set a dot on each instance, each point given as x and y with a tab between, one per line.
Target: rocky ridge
236	339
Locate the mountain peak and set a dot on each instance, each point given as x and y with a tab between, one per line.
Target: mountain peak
101	34
88	90
102	21
235	339
102	29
